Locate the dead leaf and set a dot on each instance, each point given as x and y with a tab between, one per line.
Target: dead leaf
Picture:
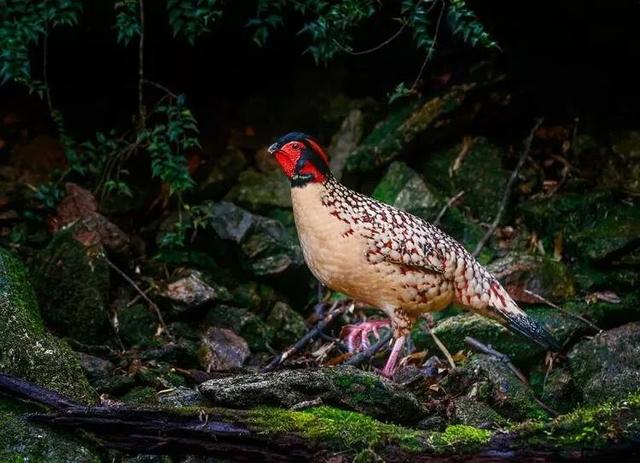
605	296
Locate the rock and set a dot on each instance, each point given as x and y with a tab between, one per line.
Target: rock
137	325
627	144
520	272
103	377
259	191
181	397
475	167
621	169
225	171
287	324
593	224
23	441
191	291
265	243
72	283
403	188
402	126
345	387
79	207
344	142
488	380
607	367
222	349
473	413
142	395
183	352
243	322
95	368
26	349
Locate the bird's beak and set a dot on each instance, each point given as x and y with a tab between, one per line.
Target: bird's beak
273	148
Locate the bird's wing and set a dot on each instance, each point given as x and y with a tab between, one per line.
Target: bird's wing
408	245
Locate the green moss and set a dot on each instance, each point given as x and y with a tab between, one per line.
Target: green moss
244	323
138	326
259	191
72	284
141	396
26	349
459	438
586	428
343	430
22	441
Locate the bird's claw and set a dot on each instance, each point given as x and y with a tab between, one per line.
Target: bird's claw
356	337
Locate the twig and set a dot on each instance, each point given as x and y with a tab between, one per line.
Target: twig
443	349
564	311
487	350
372	49
160	87
431	48
369	352
444	209
507	190
142	294
336	309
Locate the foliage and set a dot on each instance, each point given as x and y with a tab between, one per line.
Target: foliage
464	24
191	18
22	23
127	20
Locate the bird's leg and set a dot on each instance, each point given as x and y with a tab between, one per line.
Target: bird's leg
390	367
356	337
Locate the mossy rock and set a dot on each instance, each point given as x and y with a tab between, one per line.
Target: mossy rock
137	326
607	367
224	172
402	126
346	387
489	380
538	274
405	189
595	225
246	324
287	324
27	350
22	441
72	284
260	191
472	412
585	429
349	431
480	175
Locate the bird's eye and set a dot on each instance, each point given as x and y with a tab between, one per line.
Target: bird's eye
296	146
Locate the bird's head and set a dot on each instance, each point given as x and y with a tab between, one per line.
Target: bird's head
301	158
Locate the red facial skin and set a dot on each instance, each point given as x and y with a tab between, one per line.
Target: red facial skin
289	154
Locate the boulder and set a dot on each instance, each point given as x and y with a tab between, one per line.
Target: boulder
345	387
259	191
191	289
287	324
26	349
405	189
222	349
72	284
488	380
607	367
246	324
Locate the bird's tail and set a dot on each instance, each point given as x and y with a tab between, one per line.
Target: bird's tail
504	309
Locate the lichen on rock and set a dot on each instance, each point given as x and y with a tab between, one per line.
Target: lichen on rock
27	350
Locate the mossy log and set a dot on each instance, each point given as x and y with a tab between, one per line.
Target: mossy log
272	434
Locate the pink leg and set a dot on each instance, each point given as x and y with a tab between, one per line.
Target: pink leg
357	336
390	366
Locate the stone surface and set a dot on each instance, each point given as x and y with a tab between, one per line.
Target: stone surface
191	290
22	441
72	284
341	386
258	191
243	322
222	349
488	380
474	413
137	325
607	367
391	136
344	142
405	189
26	349
287	324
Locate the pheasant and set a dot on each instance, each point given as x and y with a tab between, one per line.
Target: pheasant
386	257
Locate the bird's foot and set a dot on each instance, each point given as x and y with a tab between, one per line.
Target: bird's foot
392	362
356	337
